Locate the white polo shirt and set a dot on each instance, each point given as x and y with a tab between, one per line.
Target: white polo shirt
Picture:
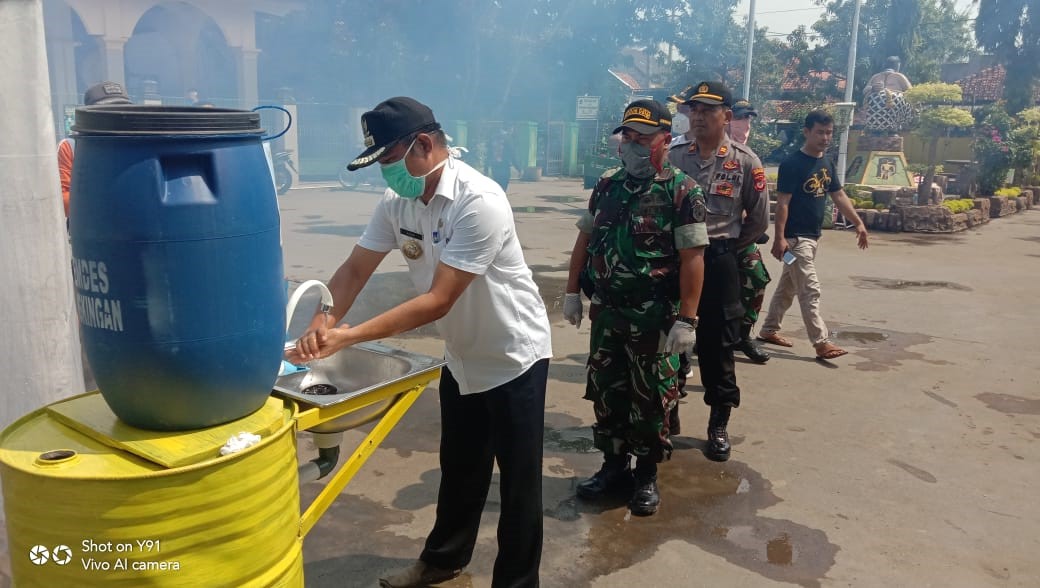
498	328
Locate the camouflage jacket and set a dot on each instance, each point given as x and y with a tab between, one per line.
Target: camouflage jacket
636	228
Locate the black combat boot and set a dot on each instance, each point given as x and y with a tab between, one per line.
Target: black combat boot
750	348
718	438
614	476
646	499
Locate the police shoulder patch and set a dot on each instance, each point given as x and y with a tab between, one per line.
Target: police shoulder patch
759	175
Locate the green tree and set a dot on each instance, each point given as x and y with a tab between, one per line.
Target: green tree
1011	30
924	34
992	147
938	118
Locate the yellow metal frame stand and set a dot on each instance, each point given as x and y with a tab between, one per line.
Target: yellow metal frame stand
406	391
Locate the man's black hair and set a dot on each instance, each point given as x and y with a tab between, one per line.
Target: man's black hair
818	116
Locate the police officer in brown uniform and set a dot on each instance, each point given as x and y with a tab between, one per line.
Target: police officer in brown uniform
734	184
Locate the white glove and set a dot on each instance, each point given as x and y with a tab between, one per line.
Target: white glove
681	338
573	309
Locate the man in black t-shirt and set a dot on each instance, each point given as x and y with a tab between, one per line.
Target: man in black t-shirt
805	179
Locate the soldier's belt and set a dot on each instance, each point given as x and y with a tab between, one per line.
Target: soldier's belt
720	246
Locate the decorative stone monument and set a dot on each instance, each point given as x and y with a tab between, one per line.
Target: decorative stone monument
878	159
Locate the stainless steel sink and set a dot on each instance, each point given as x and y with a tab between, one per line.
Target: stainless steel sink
353	372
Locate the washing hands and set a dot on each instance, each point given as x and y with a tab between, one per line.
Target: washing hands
319	341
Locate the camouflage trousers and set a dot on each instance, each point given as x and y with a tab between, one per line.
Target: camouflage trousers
753	281
632	385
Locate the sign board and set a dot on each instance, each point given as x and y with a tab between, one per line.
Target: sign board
843	112
588	108
68	118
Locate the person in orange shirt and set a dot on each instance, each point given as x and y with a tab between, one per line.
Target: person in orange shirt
103	93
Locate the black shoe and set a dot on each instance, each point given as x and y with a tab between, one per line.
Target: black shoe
753	351
718	437
646	499
749	347
419	574
614	476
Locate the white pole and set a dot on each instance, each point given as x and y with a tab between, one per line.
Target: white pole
750	48
40	349
843	148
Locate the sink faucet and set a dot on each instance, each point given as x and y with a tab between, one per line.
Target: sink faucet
326	301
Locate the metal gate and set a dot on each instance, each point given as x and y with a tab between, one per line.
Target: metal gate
550	148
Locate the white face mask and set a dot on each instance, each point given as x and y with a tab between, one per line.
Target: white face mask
680	124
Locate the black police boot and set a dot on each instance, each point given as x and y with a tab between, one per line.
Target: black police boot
614	476
646	499
750	348
718	438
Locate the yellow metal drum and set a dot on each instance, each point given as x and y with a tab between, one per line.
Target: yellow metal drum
92	502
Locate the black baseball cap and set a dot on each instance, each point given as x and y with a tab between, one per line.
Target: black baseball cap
714	93
742	108
105	93
681	96
389	122
646	117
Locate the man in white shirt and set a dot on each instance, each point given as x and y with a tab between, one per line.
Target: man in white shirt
455	227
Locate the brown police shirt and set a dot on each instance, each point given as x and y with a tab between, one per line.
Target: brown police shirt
734	184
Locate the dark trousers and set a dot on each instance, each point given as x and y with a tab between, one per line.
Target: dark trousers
720	313
504	424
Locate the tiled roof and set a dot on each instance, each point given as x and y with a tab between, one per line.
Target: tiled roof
988	85
627	79
779	109
984	86
795	82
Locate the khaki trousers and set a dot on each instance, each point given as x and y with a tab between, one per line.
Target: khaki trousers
799	279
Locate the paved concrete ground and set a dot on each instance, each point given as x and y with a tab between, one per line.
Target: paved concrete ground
909	462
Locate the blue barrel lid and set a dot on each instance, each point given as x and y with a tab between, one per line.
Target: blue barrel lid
145	120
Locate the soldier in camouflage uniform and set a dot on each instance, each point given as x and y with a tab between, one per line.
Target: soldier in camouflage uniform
753	275
641	245
753	281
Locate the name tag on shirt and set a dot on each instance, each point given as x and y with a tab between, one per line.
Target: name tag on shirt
720	188
411	234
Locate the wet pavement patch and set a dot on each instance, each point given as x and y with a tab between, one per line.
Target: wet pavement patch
569	440
914	471
927	239
871	283
1008	404
941	399
861	337
883	349
712	506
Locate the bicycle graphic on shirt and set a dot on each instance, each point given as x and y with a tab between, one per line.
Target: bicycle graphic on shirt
817	183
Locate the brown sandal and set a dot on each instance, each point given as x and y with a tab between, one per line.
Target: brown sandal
830	351
775	339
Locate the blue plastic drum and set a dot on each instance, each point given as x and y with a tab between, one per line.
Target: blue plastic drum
177	262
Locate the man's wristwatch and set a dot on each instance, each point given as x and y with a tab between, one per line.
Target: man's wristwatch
685	319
